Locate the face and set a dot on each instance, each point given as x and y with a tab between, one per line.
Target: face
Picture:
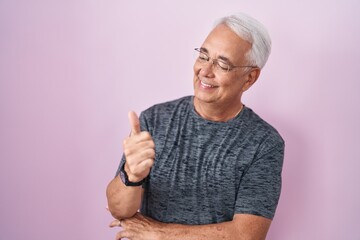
213	86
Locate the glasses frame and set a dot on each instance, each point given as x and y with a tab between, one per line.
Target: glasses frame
216	61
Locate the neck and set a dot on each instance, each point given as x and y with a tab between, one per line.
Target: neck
217	113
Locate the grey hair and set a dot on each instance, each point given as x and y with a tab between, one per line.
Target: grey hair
252	31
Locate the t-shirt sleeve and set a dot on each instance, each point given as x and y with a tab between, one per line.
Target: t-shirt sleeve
260	187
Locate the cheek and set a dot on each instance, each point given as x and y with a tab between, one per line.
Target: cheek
231	84
196	69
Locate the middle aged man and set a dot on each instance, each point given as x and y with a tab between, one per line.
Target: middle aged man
203	166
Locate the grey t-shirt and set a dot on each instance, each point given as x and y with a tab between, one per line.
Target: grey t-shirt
205	171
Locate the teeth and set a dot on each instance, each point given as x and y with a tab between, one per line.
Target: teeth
206	85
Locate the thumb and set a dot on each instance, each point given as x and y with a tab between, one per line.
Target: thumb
134	123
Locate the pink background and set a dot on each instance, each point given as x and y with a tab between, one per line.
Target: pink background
71	70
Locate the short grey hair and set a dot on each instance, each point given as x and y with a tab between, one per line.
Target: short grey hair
252	31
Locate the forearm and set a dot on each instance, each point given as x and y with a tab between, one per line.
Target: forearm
225	230
123	201
242	227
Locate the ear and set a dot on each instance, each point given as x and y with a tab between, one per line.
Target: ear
250	78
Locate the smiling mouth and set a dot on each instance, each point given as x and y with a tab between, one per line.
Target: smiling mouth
206	85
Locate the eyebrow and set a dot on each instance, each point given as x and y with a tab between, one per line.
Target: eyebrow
225	59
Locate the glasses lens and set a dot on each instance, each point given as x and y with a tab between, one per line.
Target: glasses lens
203	58
200	56
223	66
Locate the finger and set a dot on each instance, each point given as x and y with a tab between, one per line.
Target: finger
140	141
124	234
134	123
146	164
115	223
145	154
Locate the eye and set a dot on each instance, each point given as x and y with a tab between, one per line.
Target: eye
203	57
224	66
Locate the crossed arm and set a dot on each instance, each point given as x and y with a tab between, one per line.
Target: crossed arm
135	226
242	227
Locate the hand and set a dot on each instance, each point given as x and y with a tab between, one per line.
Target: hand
139	150
139	227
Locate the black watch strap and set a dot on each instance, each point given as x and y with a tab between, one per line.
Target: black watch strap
125	179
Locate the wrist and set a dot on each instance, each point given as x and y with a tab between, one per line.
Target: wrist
131	177
133	182
162	231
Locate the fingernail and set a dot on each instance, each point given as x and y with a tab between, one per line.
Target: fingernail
114	223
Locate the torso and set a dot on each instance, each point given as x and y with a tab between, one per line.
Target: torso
199	164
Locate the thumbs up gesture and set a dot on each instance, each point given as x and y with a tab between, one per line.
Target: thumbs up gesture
139	150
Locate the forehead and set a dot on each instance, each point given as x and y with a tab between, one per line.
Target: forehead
222	41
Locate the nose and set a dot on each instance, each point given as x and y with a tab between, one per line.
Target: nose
210	61
207	68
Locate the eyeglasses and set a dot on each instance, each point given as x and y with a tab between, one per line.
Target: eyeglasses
218	64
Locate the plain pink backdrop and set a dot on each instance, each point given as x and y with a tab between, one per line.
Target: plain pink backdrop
71	70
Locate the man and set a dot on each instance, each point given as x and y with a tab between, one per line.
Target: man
203	166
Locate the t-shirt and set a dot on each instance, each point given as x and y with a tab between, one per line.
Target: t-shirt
206	171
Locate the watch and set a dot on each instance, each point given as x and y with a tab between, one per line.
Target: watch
125	179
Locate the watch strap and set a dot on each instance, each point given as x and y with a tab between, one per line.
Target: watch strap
125	178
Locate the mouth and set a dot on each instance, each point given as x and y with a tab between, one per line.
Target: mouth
206	85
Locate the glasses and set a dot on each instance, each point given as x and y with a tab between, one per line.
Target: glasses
218	64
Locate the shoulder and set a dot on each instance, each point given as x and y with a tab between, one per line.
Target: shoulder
167	107
162	114
260	130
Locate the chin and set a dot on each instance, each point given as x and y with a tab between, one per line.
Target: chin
202	98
